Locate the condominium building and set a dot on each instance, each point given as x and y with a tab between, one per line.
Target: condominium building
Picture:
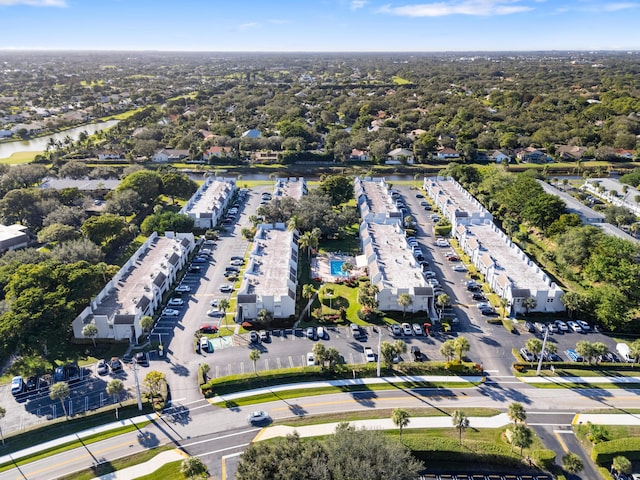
375	200
207	205
293	187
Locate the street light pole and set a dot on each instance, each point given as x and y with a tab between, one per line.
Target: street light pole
135	376
544	345
379	343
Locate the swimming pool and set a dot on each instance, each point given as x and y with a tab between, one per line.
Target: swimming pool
336	268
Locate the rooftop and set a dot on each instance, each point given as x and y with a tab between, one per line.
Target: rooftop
136	283
211	197
295	188
396	263
377	195
510	260
81	184
269	270
459	198
11	231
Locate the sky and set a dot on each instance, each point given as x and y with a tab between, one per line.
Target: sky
320	25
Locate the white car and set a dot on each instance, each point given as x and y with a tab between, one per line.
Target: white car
176	302
396	329
563	327
310	360
406	329
183	288
433	282
170	312
236	263
429	274
214	302
441	242
204	344
258	418
417	329
369	355
574	326
321	332
584	325
459	268
226	288
215	313
483	305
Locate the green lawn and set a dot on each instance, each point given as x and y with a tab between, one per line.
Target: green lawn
20	157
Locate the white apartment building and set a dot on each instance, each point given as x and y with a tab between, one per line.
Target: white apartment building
137	289
456	204
271	277
293	187
375	202
206	206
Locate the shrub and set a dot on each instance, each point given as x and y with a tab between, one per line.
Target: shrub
543	458
604	452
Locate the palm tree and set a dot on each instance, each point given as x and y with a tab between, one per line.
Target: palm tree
90	331
621	464
115	388
529	303
461	345
319	353
254	356
442	300
400	419
146	323
522	437
404	300
572	463
308	292
347	267
460	422
448	350
223	305
304	242
516	413
534	346
60	391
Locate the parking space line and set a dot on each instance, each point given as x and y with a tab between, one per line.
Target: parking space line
241	367
279	363
266	364
291	361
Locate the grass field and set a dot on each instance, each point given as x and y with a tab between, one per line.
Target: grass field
20	157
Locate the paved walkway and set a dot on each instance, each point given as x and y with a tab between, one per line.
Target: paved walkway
145	468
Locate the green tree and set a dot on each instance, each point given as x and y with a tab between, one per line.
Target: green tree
460	422
338	188
154	380
522	437
193	468
529	303
534	346
177	185
147	184
223	305
585	349
448	349
103	228
621	464
332	358
387	351
516	413
572	463
57	232
115	388
254	356
166	222
404	300
400	418
60	391
597	433
90	331
462	346
319	353
443	300
146	323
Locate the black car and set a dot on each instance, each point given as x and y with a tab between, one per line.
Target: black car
417	354
529	326
142	359
194	269
32	383
478	296
489	312
115	364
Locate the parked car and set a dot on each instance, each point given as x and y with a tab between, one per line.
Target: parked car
258	418
396	329
115	364
369	355
584	325
194	269
310	360
527	355
419	195
254	337
459	268
201	259
170	312
417	329
17	385
562	326
355	330
479	297
32	383
311	333
215	313
453	258
226	288
553	328
573	356
207	328
489	312
574	326
416	353
321	332
214	302
264	336
236	257
529	326
176	302
183	288
141	358
204	344
236	263
101	367
406	329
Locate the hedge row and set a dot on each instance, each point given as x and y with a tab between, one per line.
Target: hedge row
604	452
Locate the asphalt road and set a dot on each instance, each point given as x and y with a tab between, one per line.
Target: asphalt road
211	432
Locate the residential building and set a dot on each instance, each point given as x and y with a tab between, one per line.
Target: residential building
393	268
400	155
446	153
375	201
207	205
100	186
359	155
13	237
456	204
506	268
499	157
252	133
137	289
613	191
292	187
532	155
570	152
217	152
265	156
169	155
270	280
111	155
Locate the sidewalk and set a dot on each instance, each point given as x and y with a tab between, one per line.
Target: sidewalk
145	468
582	380
349	382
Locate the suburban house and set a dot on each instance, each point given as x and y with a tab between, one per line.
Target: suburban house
400	155
570	152
446	153
265	156
217	152
506	268
111	155
532	155
293	187
270	280
499	157
207	205
13	237
137	289
393	268
626	154
169	155
359	155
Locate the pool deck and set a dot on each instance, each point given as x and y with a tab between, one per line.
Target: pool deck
321	267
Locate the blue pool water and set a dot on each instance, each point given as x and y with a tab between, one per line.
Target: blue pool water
336	268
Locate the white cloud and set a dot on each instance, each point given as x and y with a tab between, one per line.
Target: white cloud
358	4
458	7
35	3
615	7
247	26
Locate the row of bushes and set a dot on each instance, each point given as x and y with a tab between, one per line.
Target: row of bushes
604	452
248	381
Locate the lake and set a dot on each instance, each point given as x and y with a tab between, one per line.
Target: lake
40	144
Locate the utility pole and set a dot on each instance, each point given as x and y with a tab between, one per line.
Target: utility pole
379	343
544	345
135	376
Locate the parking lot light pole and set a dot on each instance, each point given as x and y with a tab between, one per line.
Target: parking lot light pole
379	344
135	376
544	345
